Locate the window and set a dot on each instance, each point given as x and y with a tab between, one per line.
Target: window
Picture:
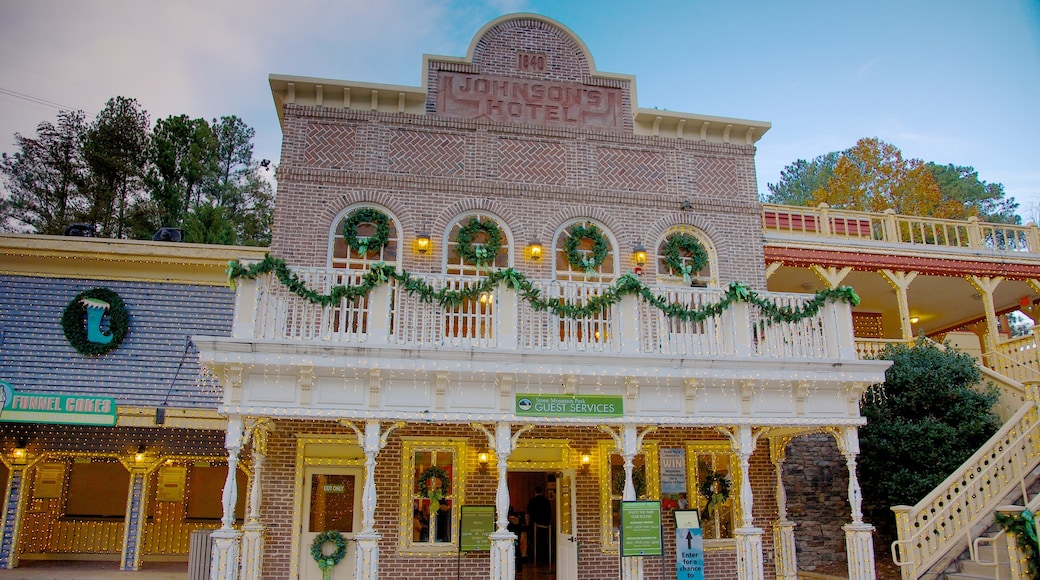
645	479
701	278
341	255
205	491
434	479
713	486
97	489
586	249
456	265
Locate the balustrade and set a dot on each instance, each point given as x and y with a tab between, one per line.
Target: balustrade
501	320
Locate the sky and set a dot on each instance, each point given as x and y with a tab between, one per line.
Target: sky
948	81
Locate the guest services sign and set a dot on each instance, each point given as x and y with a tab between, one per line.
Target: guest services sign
569	406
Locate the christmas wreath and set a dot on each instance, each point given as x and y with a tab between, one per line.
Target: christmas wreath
638	482
434	485
364	244
715	489
673	258
479	254
600	248
80	314
327	561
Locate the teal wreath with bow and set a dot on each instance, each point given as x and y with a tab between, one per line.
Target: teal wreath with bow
327	561
697	256
83	332
600	248
715	489
365	244
481	254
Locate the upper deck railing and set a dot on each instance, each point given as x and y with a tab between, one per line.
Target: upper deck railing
892	228
501	321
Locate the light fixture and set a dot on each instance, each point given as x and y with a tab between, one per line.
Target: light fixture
914	319
639	257
686	205
422	242
586	459
482	459
19	455
534	251
139	456
485	297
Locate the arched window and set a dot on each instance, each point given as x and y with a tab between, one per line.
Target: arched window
484	244
368	225
584	252
687	257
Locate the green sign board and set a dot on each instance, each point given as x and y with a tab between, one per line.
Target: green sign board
476	524
570	405
19	407
641	529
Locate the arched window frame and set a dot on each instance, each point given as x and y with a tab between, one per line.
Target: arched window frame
453	264
707	277
562	269
342	257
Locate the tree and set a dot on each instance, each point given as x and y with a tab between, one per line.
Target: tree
114	147
46	176
182	156
802	179
921	426
209	224
962	185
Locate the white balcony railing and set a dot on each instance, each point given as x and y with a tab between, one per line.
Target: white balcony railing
502	321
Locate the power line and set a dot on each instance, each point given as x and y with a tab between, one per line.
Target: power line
34	99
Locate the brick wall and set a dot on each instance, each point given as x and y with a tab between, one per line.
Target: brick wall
278	489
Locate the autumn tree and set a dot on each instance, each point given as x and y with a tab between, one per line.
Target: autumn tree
874	176
46	176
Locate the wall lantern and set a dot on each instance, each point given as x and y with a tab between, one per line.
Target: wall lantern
19	455
482	460
139	457
422	242
586	459
534	251
639	257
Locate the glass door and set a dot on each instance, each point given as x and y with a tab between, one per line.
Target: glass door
332	502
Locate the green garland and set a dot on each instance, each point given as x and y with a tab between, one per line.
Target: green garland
674	260
327	561
481	254
72	321
715	489
638	482
364	245
1023	527
600	248
627	285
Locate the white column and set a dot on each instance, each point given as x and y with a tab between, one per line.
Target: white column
253	530
631	568
783	529
900	282
224	563
749	538
366	557
859	541
503	542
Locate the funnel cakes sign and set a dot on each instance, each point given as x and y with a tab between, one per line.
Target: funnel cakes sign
540	102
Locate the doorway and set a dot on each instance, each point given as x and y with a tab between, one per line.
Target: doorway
548	542
332	501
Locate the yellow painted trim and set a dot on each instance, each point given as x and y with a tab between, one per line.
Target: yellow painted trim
405	545
108	259
604	449
176	418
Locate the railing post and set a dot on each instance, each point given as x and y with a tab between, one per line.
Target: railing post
507	317
628	320
1016	558
379	314
905	559
838	334
1033	238
824	226
737	338
891	226
974	232
246	306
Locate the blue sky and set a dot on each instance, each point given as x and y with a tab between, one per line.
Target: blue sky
950	81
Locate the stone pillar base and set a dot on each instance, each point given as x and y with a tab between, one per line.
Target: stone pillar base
252	551
226	546
632	568
503	555
859	546
786	557
366	558
749	553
